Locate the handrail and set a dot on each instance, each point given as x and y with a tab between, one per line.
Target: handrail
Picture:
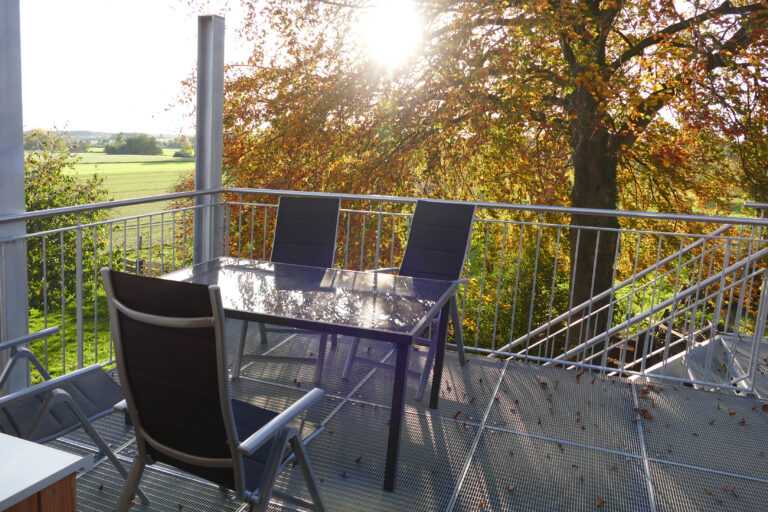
663	305
614	289
714	219
69	210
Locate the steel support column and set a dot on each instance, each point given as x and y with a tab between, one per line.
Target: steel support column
13	255
209	136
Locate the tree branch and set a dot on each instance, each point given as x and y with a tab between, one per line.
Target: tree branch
723	9
647	108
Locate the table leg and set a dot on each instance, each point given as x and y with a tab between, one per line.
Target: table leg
437	372
396	415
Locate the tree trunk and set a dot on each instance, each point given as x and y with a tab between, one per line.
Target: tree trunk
592	238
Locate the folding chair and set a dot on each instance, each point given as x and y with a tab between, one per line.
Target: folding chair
169	346
58	405
305	234
436	248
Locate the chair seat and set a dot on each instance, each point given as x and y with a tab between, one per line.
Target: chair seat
95	392
249	419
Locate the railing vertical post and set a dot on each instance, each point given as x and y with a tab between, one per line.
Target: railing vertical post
761	321
209	136
79	290
13	255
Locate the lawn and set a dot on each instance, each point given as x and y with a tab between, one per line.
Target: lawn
63	358
129	176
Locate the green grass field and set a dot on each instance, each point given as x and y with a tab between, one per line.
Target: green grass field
129	176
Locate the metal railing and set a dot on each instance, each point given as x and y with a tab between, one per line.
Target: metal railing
678	277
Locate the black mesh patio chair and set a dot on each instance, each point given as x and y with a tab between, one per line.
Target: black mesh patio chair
57	406
437	245
169	346
305	234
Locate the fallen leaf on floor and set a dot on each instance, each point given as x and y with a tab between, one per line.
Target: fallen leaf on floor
548	456
101	487
456	415
357	460
708	491
600	501
742	421
511	488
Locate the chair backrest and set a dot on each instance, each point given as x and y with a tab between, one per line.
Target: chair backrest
438	240
170	357
305	231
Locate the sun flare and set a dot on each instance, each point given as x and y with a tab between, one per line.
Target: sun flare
391	31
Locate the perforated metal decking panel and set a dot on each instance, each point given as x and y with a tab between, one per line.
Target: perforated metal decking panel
507	436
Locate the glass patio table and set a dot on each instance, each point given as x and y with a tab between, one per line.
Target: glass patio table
377	306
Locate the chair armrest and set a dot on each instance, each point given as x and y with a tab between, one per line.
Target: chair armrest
265	433
49	384
29	337
120	406
22	353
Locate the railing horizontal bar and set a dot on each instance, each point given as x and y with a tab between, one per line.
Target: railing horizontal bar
69	210
524	207
106	222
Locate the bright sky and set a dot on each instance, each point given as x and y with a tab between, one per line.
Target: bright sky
110	65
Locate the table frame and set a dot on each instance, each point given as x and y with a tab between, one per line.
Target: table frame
402	341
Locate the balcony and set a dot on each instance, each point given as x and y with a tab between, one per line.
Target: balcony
647	396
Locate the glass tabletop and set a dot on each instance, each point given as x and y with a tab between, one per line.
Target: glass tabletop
365	300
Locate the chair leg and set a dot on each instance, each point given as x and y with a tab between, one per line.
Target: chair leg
350	358
131	484
456	321
320	358
60	396
334	341
309	475
427	367
263	332
239	353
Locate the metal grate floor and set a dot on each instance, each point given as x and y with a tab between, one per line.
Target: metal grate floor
507	436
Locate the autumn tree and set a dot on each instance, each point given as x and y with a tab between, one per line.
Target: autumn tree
590	103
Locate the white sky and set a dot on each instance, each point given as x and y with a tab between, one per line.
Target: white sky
111	65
